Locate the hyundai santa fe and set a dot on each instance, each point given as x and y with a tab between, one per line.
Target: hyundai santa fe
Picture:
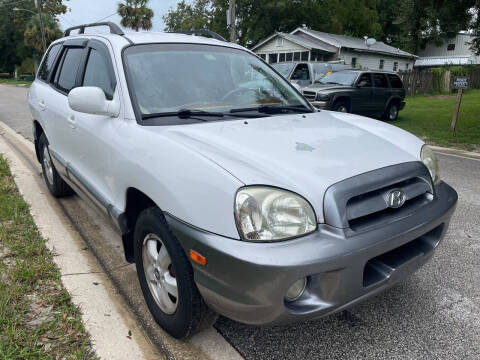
233	195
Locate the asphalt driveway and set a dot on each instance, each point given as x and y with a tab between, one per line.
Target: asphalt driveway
433	315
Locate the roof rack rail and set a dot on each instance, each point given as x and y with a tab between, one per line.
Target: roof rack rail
201	32
114	28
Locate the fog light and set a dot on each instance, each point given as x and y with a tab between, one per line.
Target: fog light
296	290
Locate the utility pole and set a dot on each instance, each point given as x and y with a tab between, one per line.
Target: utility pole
231	21
42	30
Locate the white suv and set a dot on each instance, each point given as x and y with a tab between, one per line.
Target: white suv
233	194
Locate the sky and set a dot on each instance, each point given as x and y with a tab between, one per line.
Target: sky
88	11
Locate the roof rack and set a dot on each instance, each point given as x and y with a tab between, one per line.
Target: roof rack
114	28
200	32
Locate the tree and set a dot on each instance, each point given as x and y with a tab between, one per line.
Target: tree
411	24
135	14
189	17
32	34
475	26
257	19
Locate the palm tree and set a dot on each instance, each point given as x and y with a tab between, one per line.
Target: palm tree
135	14
33	36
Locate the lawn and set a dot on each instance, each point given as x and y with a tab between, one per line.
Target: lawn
429	117
37	317
15	82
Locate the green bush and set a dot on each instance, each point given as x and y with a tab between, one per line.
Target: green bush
438	74
27	67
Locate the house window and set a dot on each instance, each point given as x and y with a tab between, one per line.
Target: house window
281	57
395	66
263	56
316	55
305	56
279	42
450	47
272	58
354	62
289	56
296	56
382	62
407	65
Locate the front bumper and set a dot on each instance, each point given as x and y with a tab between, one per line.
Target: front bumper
247	281
324	105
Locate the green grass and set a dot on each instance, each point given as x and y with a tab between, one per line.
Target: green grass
15	82
430	116
31	289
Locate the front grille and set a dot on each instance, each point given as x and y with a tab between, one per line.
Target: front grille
310	95
371	208
360	202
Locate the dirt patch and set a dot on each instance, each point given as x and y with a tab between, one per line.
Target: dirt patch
441	96
40	313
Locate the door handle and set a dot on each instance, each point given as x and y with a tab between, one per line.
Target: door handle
42	105
71	121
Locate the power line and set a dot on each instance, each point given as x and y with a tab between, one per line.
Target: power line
106	17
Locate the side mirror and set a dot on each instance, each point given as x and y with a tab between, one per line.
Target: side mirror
92	100
362	84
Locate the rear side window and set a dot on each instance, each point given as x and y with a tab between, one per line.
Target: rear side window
68	73
380	80
395	81
98	73
48	62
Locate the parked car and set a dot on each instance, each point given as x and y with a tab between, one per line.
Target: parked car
231	199
371	93
306	73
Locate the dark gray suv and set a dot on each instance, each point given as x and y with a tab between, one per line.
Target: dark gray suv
371	93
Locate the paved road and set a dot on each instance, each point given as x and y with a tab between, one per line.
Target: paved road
433	315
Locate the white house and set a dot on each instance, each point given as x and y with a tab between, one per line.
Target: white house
454	51
304	44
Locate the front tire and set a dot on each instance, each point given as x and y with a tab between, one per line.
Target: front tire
166	278
55	184
341	106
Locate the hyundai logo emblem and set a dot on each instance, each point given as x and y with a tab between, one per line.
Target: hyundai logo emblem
395	198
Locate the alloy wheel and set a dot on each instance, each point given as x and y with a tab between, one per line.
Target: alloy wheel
47	165
160	274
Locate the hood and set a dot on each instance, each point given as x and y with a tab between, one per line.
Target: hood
320	87
304	153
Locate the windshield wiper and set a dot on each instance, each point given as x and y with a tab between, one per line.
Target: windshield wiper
184	114
272	109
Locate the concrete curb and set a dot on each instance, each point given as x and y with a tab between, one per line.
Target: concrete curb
456	152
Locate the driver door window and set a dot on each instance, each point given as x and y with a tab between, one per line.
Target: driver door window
365	80
301	75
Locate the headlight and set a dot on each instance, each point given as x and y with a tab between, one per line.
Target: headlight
430	160
269	214
323	97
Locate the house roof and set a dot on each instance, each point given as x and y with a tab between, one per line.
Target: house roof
306	43
447	60
353	43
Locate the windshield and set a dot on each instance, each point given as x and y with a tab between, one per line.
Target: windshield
341	77
284	69
170	78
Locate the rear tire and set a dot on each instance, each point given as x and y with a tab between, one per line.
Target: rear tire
55	184
391	114
341	106
166	278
